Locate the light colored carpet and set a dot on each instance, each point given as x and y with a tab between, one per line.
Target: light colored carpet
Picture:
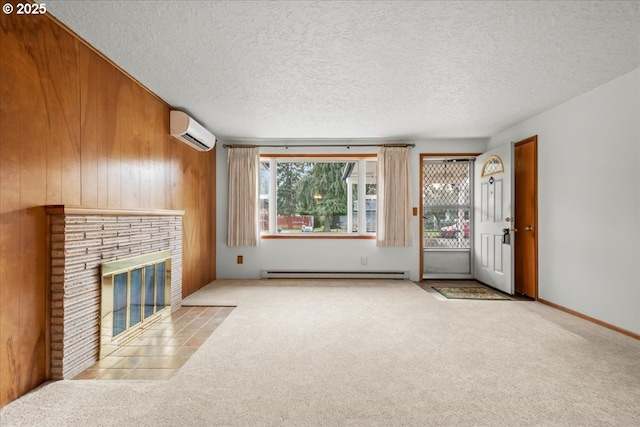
377	353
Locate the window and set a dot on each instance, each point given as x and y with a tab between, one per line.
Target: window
309	196
447	203
493	165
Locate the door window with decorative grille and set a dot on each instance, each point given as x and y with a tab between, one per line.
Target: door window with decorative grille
447	199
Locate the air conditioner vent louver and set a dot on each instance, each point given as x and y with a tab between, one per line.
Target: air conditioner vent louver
194	140
187	130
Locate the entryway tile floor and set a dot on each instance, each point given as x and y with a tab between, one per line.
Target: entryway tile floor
160	351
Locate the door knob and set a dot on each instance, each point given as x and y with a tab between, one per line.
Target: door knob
528	228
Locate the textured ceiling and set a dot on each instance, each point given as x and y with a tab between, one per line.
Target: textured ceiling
379	69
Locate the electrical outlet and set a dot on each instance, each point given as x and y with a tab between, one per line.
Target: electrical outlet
364	260
240	259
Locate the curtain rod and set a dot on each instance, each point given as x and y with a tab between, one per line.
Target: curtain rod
287	146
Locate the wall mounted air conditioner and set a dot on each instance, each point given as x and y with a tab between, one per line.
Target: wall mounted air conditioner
187	130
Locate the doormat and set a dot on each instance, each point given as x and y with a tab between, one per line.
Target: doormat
469	292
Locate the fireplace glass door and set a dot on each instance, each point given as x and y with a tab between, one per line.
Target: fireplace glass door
134	291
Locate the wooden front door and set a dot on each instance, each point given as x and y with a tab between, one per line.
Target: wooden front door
526	217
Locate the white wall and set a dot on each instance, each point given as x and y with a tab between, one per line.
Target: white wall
589	201
327	254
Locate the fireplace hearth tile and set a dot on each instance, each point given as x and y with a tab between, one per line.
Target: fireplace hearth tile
161	356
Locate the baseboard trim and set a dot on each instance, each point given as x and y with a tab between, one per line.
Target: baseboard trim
590	319
309	274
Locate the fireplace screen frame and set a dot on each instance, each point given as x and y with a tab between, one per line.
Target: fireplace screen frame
110	340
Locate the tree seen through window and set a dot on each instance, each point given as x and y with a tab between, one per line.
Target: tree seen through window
310	196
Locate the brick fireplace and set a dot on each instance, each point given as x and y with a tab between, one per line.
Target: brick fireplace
81	240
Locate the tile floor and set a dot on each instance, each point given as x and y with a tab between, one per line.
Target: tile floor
158	352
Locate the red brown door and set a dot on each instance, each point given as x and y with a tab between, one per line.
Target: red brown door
526	217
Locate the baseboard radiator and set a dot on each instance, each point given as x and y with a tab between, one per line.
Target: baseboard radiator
310	274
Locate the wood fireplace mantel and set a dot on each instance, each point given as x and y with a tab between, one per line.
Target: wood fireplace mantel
84	210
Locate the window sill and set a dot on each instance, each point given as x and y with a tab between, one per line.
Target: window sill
318	235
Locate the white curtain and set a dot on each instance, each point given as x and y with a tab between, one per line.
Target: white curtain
242	207
394	197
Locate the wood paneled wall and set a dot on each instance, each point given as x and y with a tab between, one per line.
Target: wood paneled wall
76	130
